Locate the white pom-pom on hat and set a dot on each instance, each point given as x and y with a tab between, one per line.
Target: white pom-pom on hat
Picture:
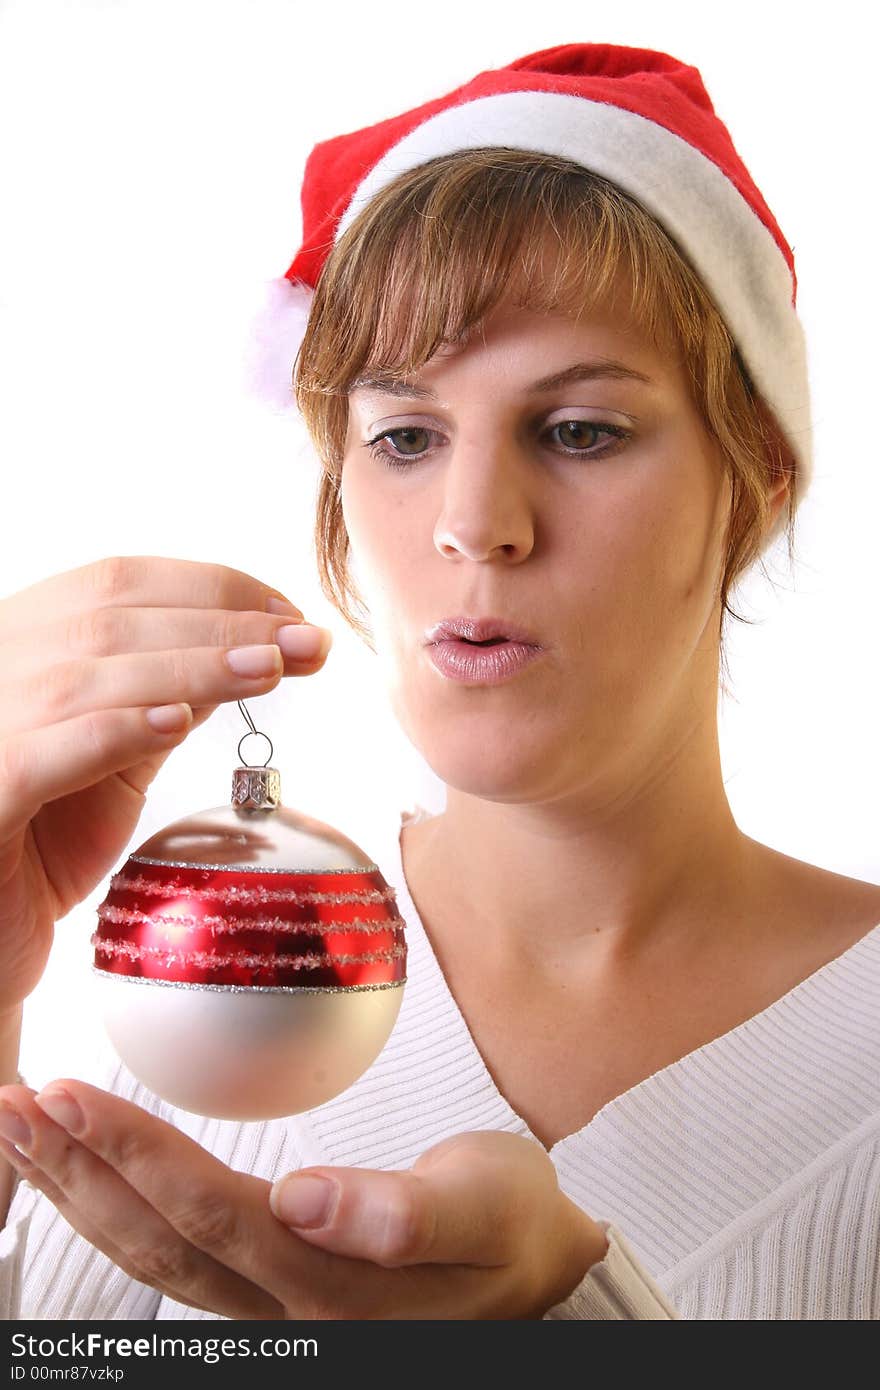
271	346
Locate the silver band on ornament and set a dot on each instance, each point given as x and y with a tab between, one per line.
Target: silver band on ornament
249	989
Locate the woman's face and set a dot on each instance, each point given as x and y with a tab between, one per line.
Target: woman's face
608	548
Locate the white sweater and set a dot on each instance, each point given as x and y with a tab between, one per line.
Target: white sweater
742	1181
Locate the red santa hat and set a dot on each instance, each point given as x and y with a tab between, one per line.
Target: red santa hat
638	117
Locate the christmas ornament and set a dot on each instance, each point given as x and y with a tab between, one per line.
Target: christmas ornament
249	961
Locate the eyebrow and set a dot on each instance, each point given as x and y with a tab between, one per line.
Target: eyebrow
389	385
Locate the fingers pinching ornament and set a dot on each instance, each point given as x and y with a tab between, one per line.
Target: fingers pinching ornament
249	961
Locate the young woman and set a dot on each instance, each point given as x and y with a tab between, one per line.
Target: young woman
554	374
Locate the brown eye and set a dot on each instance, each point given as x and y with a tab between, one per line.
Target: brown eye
578	432
581	433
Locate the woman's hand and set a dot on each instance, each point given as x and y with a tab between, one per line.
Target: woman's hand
84	656
477	1229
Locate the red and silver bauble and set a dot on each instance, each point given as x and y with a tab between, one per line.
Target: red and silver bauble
249	960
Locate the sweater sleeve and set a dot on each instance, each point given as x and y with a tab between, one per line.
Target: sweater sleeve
618	1286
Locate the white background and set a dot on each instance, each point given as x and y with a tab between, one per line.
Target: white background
150	167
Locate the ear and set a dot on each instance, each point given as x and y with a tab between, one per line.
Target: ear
778	497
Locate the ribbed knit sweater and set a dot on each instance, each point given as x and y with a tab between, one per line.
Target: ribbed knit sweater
741	1181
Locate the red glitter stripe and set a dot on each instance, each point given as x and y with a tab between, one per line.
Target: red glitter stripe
166	888
132	916
207	960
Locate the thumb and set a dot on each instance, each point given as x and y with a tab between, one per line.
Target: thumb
464	1201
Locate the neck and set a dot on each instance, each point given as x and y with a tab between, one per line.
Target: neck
654	863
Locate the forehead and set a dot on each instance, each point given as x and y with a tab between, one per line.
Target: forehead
517	343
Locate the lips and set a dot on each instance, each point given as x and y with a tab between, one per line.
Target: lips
481	664
477	631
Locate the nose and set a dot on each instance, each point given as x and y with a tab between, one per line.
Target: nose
486	511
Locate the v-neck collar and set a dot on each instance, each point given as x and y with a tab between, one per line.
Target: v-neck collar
704	1138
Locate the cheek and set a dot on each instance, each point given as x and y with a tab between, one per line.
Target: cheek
700	527
364	517
649	559
381	531
683	555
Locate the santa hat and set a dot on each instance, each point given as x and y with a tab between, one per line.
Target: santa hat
638	117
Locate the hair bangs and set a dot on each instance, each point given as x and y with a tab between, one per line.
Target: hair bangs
418	273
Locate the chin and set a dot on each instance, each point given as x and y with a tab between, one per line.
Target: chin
479	766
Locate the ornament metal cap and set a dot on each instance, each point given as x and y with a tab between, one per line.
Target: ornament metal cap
256	788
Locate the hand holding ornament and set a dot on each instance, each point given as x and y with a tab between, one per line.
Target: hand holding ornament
84	657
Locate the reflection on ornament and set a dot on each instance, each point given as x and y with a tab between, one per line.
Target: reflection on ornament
249	961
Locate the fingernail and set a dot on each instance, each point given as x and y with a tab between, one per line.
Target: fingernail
305	1200
254	661
13	1127
61	1107
302	640
280	605
168	719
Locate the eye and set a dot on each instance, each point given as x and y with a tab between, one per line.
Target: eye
581	431
576	429
385	455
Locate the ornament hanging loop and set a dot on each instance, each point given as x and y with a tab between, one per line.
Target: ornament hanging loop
255	788
253	730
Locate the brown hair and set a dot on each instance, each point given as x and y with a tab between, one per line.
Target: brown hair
436	249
